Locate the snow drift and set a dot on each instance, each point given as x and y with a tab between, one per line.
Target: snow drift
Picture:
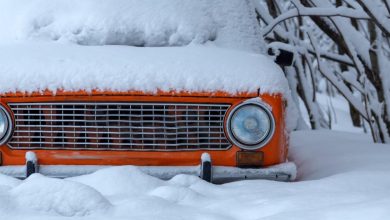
119	180
58	196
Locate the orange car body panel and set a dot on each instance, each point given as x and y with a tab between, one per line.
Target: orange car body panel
275	151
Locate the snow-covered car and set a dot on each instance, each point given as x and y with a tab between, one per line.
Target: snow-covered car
175	86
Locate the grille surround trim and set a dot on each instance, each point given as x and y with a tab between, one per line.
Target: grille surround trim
10	126
224	142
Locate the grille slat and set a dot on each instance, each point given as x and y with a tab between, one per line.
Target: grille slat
144	121
173	138
119	126
119	132
122	144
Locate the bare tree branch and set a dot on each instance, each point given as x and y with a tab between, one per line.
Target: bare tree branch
320	12
384	26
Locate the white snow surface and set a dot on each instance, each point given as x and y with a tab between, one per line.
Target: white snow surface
29	67
341	175
230	23
56	196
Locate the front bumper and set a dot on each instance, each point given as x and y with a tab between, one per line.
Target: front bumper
220	174
216	174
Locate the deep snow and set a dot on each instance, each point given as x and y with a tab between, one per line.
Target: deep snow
341	176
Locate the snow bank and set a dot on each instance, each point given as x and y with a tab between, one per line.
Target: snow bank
175	194
119	180
132	22
8	181
336	153
40	66
6	202
58	196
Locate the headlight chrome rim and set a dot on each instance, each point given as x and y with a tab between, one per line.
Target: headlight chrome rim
8	125
267	137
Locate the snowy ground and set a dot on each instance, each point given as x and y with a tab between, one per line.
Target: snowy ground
341	176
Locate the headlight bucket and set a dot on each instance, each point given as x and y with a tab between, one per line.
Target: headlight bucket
5	125
250	125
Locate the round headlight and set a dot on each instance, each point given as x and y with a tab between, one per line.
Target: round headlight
251	125
5	125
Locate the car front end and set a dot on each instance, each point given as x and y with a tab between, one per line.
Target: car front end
166	130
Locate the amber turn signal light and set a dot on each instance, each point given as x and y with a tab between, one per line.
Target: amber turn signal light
249	159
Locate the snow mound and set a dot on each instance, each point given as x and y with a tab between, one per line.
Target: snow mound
184	180
8	181
119	180
58	196
44	66
131	22
175	193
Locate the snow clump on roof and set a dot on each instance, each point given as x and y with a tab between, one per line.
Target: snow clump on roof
132	22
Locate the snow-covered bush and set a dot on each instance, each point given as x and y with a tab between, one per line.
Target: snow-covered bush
344	41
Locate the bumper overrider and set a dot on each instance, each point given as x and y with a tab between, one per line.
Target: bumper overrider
205	170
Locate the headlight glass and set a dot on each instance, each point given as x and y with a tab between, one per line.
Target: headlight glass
251	125
4	125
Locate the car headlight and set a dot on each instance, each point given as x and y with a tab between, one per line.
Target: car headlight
5	125
250	125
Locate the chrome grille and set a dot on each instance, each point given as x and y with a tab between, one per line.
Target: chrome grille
119	126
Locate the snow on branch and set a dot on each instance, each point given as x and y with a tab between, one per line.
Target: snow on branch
321	12
302	49
337	83
374	10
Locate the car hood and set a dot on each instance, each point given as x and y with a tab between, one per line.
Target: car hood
37	67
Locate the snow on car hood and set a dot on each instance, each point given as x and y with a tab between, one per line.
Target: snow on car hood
29	67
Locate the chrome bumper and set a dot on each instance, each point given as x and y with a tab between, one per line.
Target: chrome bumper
216	174
220	174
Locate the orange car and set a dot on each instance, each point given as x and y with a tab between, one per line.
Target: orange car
70	110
